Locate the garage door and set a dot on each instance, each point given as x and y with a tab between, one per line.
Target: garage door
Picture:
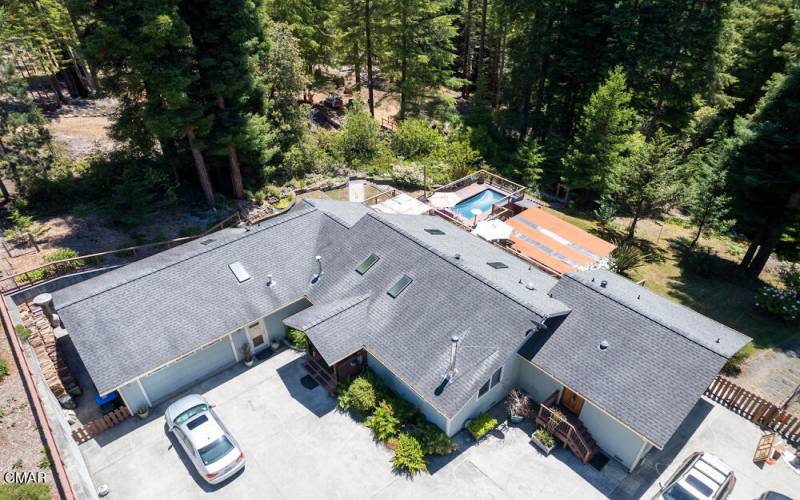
181	374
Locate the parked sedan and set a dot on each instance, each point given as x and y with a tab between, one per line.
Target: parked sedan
214	452
701	476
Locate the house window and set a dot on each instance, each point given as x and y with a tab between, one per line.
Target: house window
483	390
497	376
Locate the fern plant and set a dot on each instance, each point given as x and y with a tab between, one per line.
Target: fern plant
383	423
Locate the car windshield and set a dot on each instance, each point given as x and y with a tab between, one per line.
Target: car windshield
216	450
191	412
678	492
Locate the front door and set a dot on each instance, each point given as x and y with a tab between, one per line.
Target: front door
571	401
256	332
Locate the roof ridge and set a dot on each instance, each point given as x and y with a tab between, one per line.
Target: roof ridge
259	228
463	268
348	304
626	306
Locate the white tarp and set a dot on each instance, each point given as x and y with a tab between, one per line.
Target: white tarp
444	200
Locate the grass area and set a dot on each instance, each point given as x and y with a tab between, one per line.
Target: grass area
727	297
24	491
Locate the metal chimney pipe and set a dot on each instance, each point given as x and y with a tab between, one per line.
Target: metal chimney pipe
318	275
451	369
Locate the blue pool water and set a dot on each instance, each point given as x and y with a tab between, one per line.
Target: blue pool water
482	201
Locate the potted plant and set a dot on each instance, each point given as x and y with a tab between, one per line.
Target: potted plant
543	440
248	355
518	405
143	412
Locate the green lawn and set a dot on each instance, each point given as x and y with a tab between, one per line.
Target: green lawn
726	297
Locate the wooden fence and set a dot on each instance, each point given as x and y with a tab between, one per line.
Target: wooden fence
98	425
755	408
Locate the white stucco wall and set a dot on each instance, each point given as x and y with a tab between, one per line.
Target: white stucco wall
406	393
534	381
477	406
133	397
616	440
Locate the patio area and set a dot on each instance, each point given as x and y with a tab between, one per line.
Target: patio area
299	446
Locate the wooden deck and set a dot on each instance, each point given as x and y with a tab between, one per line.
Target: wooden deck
569	431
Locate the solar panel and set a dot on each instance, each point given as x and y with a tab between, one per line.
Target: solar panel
398	287
436	232
497	265
239	271
367	263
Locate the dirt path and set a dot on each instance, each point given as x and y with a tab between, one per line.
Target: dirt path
21	446
774	374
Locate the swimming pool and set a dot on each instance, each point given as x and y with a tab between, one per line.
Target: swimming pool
482	201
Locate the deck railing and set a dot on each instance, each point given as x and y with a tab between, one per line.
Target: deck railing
565	430
381	197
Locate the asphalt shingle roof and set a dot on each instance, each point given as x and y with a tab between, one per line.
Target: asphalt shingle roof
133	320
649	377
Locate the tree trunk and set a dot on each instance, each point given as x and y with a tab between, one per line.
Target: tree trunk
467	50
501	58
404	64
370	83
202	171
482	46
4	190
632	228
771	239
751	251
233	161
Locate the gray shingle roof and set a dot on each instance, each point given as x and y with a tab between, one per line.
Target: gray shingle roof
649	377
343	212
679	318
130	321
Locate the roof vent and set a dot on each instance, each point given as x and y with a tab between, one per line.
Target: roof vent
435	232
318	275
457	256
497	265
603	284
208	241
270	282
530	286
239	271
451	367
603	345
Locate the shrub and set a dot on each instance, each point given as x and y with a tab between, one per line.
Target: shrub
702	261
518	403
283	203
61	254
259	198
778	302
362	395
3	369
24	491
432	440
33	276
415	140
383	423
481	425
625	257
544	437
23	332
605	214
790	278
408	456
407	173
297	338
403	410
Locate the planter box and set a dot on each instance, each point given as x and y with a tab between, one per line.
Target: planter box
546	450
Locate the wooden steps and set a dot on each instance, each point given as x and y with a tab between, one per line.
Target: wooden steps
319	374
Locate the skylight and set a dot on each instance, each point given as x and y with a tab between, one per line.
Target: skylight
398	287
367	263
208	241
497	265
239	271
436	232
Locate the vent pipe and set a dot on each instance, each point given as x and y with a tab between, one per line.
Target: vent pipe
318	275
451	368
603	284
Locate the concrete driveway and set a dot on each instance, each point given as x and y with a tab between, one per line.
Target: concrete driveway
298	446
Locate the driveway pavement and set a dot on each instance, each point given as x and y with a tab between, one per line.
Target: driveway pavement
298	446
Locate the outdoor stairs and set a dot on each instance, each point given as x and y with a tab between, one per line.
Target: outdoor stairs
569	429
319	374
587	439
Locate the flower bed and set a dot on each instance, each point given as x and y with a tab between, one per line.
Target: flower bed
395	422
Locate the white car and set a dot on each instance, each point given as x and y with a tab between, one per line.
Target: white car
701	476
214	452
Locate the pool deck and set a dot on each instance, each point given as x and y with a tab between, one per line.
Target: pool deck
473	189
